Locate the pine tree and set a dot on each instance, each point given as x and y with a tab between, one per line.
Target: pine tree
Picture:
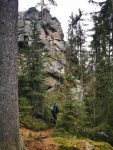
102	45
75	51
32	77
36	74
74	116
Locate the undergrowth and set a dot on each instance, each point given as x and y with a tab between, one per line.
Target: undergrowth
29	122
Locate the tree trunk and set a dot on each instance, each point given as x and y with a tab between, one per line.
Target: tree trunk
9	115
112	3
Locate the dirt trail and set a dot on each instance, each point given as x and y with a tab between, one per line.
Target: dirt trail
38	140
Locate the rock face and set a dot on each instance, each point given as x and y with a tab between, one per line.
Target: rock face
51	36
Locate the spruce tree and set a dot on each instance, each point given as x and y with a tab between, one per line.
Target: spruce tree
32	77
102	45
76	52
36	74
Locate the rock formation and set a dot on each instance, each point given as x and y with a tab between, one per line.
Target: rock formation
51	36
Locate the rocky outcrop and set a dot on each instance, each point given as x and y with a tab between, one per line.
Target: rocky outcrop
51	36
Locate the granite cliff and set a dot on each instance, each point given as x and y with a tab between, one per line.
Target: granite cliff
51	36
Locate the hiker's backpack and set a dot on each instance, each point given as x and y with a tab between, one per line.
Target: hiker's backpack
55	109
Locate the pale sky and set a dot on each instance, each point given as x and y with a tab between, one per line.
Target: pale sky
62	11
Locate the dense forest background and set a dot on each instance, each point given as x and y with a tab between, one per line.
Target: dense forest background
89	65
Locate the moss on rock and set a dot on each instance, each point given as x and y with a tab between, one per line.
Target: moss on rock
80	144
67	148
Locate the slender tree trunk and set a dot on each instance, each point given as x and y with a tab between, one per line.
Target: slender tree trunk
9	115
112	3
42	13
94	108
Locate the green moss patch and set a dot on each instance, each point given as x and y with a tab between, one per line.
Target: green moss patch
101	145
79	144
67	148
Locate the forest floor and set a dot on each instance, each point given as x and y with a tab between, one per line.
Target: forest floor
43	140
38	140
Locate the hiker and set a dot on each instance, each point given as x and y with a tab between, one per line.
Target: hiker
54	111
